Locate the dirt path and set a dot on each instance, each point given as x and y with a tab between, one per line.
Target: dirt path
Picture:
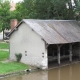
4	49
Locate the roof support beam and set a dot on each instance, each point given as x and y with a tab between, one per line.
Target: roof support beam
79	51
70	52
46	45
58	48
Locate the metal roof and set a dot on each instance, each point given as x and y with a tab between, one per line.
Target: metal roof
55	31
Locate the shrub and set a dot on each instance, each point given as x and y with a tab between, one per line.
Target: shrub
18	57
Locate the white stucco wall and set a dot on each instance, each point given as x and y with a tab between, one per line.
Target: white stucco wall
30	44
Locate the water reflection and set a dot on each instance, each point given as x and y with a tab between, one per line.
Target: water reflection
40	75
69	72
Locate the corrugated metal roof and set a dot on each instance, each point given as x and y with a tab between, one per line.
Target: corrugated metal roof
56	31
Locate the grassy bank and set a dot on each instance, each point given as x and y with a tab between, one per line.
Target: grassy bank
11	67
3	55
4	45
7	66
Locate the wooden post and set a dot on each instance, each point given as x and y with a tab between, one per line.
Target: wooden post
59	46
59	55
79	51
70	52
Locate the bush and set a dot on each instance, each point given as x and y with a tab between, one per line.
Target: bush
18	57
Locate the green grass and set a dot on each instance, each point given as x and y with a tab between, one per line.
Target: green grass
8	67
11	67
3	55
4	45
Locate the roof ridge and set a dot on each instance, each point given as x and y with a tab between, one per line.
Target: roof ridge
46	20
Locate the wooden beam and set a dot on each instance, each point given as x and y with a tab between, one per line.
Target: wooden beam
79	51
58	56
59	46
70	52
46	45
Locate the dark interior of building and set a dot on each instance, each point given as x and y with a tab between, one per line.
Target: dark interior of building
65	51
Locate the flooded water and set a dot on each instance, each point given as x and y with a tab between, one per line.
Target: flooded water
69	72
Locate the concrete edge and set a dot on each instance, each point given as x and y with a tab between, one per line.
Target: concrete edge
18	73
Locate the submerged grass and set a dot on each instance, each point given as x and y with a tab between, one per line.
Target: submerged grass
11	67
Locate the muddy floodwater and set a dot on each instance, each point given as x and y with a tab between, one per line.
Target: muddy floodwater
68	72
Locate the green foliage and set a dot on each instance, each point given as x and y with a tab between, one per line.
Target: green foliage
23	10
4	15
39	9
11	67
54	9
77	13
18	56
46	9
3	55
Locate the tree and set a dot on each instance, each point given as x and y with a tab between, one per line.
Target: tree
54	9
46	9
4	15
17	14
77	8
23	10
